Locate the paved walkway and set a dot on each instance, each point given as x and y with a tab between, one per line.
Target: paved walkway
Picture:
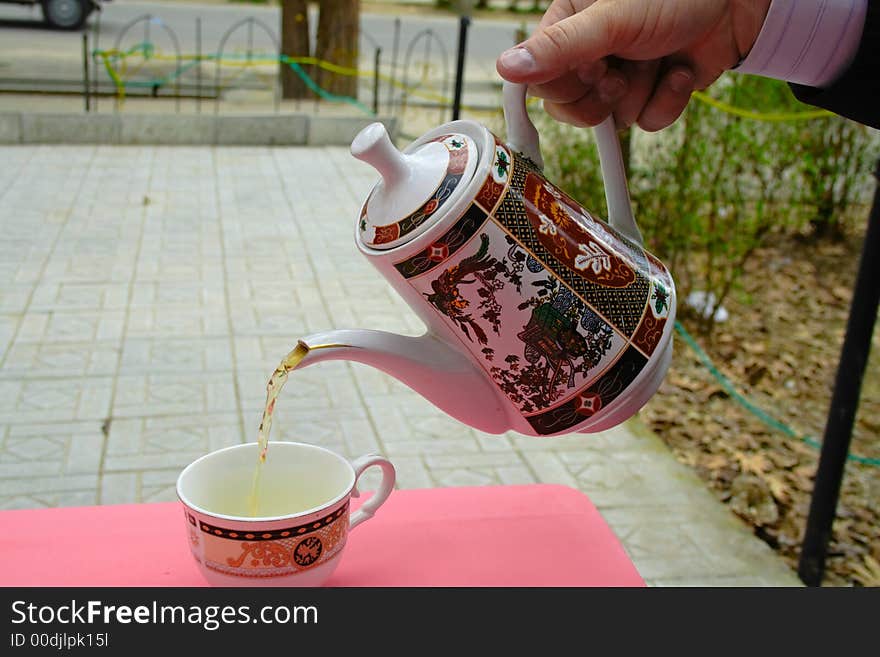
146	293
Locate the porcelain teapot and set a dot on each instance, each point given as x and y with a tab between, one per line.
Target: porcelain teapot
541	317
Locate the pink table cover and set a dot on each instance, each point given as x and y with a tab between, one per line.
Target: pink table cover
534	535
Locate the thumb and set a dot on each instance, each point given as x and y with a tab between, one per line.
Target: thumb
554	49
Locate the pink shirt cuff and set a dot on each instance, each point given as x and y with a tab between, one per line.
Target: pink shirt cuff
809	42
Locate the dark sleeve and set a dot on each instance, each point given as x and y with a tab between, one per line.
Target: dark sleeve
856	94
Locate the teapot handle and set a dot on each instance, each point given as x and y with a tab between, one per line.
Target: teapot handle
523	137
620	214
521	133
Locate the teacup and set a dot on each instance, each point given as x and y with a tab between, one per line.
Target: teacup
302	521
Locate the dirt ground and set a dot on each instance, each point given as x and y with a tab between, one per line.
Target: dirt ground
780	347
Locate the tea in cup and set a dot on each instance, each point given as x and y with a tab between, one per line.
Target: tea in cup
302	519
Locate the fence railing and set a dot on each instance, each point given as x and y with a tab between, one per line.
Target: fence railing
146	61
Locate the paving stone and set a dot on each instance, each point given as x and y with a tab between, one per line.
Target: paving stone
261	353
175	269
411	473
184	355
173	394
465	477
324	386
289	292
549	469
177	320
144	443
8	327
79	296
72	326
37	487
119	488
405	433
734	581
493	443
662	566
644	541
158	486
50	500
83	269
14	298
27	360
350	434
481	459
49	450
515	475
174	293
293	320
59	399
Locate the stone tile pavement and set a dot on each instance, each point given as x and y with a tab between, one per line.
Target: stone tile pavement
147	292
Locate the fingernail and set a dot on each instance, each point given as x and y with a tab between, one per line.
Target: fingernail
517	60
681	81
611	89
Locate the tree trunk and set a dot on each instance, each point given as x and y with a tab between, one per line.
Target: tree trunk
294	43
338	32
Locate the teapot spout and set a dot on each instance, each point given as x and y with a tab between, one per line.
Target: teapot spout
440	373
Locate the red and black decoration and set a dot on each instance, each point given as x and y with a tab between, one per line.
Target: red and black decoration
308	551
597	396
446	245
274	534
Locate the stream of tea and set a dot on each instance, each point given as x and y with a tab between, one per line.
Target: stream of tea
273	389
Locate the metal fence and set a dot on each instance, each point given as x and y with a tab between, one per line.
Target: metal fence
146	60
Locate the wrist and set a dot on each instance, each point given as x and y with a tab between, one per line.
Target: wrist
746	20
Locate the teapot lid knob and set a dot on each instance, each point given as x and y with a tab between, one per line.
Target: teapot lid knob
415	185
373	146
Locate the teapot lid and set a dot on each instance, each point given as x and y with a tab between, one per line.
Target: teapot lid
415	184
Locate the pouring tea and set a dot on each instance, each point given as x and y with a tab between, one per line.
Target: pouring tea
541	317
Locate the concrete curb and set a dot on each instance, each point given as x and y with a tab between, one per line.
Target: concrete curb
184	129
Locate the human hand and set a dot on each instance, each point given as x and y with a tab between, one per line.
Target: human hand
640	59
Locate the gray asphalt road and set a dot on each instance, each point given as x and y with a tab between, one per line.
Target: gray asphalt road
27	47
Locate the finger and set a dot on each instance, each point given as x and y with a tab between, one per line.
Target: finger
669	99
641	79
561	9
572	85
554	49
593	108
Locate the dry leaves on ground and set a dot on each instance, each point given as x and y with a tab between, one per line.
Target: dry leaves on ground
780	348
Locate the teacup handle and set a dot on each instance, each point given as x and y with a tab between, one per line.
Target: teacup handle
523	137
368	508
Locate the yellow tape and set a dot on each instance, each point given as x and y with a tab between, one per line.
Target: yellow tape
107	55
346	70
761	116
